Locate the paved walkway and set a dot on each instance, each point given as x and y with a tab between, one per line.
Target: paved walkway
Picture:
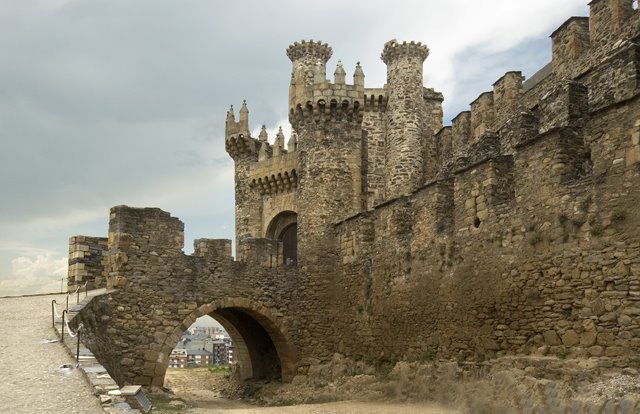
32	381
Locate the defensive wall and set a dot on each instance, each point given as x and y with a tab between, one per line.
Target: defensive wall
513	229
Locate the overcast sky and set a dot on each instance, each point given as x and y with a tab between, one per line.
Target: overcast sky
108	102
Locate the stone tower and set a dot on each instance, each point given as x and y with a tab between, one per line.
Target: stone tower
244	151
407	117
328	120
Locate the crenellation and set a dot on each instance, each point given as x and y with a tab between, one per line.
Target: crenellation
394	50
261	251
608	18
278	145
482	115
460	134
488	146
565	106
478	191
444	145
238	140
379	231
309	61
326	113
506	96
569	42
87	262
358	77
292	144
375	99
212	249
519	128
339	75
616	79
266	151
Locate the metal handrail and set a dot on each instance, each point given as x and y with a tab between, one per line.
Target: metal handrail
64	318
64	314
78	288
53	310
53	313
77	334
78	345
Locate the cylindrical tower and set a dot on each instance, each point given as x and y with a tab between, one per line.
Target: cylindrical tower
406	116
309	60
329	185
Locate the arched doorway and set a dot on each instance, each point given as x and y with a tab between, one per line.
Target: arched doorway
284	228
261	347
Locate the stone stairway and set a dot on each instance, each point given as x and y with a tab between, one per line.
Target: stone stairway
92	370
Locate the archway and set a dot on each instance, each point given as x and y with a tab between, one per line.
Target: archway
284	228
262	349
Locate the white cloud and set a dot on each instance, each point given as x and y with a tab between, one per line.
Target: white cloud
39	274
115	102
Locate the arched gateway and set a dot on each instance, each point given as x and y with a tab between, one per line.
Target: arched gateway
262	349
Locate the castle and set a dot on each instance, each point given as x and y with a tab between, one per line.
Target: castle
377	231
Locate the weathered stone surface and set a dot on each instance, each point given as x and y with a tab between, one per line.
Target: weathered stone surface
375	232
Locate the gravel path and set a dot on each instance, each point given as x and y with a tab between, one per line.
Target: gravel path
344	407
197	387
31	380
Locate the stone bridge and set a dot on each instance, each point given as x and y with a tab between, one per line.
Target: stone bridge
157	292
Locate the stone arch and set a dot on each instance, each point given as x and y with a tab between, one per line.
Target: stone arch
262	346
284	227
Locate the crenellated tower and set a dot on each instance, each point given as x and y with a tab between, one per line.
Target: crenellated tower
266	179
309	64
244	150
410	121
328	120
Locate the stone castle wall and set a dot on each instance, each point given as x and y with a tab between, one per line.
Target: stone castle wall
528	237
514	229
87	262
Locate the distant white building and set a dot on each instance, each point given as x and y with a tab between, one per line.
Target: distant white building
178	358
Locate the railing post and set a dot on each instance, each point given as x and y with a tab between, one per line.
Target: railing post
64	314
78	346
53	315
67	301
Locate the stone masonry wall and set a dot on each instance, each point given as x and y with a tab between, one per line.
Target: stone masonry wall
87	262
543	243
514	230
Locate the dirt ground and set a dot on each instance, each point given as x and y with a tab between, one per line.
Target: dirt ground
197	391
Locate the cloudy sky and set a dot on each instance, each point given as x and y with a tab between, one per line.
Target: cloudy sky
108	102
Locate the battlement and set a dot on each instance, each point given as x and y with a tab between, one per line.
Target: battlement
145	230
238	140
346	111
393	50
321	92
312	51
87	261
375	99
377	231
594	65
399	150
